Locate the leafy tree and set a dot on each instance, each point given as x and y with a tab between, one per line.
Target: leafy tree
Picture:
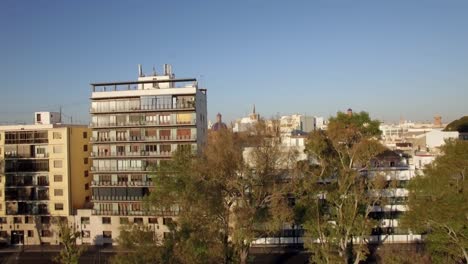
438	204
70	252
138	244
333	199
224	199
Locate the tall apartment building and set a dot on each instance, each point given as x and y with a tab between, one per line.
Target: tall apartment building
135	126
44	173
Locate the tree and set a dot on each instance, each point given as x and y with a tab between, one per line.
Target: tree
137	244
70	252
334	199
233	193
438	204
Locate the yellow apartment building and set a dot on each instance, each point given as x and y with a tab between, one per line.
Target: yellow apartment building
44	173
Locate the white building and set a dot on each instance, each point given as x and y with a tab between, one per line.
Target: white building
246	123
298	122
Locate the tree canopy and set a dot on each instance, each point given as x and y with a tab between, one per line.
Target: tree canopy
333	199
438	204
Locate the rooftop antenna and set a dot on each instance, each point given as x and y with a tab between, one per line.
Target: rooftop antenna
140	71
154	71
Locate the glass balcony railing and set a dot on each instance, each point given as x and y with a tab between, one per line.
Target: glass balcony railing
146	138
141	123
143	108
155	154
122	183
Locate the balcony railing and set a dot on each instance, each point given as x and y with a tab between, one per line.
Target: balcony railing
25	184
145	139
155	154
145	108
141	123
117	198
122	184
15	155
115	169
133	213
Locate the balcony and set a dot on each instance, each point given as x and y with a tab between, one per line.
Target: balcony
145	139
133	213
117	198
122	184
15	155
142	124
26	208
115	169
145	108
141	154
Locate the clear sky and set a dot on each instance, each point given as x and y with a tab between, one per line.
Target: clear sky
390	58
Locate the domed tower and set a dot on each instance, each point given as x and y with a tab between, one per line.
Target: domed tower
219	123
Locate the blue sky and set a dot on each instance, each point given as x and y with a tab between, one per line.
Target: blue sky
390	58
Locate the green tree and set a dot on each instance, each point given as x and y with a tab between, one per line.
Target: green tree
438	204
70	252
138	244
233	193
333	199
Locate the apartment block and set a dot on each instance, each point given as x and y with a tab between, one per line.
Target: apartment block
44	174
136	126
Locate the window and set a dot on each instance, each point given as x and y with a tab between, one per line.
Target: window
57	149
85	148
164	119
3	220
152	220
86	186
85	160
85	135
17	220
38	117
184	118
3	234
28	220
58	192
85	220
57	135
138	220
107	234
167	220
30	233
86	173
40	151
58	178
85	233
106	220
59	206
57	164
45	219
123	220
46	233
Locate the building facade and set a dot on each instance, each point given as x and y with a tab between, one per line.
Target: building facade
44	174
135	127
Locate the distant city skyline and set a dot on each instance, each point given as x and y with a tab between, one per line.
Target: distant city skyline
392	59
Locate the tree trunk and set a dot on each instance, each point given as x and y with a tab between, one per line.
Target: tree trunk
465	254
244	254
358	256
